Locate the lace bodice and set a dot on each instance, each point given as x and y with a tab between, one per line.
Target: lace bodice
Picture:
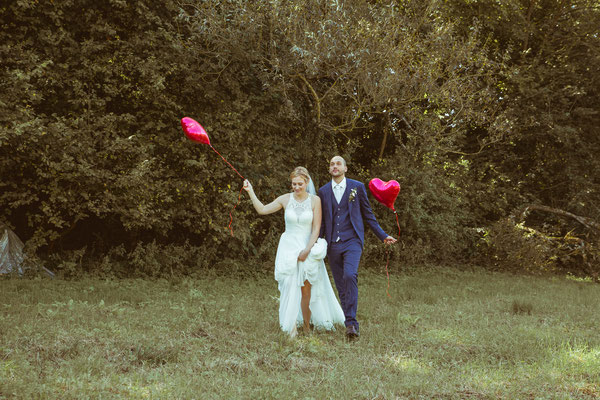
299	215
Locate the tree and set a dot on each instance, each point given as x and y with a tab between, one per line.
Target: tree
476	107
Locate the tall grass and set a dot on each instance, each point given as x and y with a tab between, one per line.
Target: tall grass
444	333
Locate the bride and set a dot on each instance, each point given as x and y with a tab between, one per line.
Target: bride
306	295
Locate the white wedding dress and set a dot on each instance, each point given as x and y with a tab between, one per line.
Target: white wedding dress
290	273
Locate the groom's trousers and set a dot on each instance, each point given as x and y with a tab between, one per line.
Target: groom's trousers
344	257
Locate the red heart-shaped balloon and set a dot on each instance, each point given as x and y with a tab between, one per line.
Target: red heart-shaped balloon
385	192
194	131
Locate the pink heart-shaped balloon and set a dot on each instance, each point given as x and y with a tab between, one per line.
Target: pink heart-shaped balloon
194	131
385	192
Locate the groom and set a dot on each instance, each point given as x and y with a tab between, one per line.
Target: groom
346	208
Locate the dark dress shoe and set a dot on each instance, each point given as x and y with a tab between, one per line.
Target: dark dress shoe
351	332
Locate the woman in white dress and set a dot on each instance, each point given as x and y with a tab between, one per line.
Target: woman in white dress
306	295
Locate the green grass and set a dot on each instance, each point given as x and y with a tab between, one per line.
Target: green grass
443	334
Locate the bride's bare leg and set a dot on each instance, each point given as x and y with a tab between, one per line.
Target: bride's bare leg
304	304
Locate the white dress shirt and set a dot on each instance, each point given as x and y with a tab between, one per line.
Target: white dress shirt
338	189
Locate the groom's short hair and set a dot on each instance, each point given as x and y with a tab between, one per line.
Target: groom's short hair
343	159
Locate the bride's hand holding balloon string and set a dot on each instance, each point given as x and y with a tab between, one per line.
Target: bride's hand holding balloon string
247	186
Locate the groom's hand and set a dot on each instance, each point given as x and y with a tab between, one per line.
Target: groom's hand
389	240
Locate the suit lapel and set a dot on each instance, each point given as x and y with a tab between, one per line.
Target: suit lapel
346	191
334	202
331	202
347	195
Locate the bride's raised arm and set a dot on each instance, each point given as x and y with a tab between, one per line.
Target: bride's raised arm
262	209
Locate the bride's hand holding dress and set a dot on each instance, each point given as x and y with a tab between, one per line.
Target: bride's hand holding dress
303	254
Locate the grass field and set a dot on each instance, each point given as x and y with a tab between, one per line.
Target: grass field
443	334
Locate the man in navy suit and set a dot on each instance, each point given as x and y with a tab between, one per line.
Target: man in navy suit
346	208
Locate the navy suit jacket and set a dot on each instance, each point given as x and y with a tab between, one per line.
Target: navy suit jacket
359	209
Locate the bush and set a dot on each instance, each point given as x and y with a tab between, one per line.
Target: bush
515	247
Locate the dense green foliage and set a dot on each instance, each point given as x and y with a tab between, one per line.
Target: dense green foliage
477	108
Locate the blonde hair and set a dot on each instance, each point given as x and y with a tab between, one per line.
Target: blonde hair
300	172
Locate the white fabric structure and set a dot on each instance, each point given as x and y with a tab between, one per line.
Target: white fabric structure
11	252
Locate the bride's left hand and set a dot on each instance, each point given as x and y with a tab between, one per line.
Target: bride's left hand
303	254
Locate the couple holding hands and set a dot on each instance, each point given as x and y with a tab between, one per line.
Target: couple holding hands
328	224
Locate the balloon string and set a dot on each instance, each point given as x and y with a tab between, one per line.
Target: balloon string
397	223
239	195
387	258
226	161
231	212
387	261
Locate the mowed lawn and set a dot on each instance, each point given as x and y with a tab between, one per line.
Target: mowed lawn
444	333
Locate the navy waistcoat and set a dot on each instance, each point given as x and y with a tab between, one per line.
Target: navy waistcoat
342	226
